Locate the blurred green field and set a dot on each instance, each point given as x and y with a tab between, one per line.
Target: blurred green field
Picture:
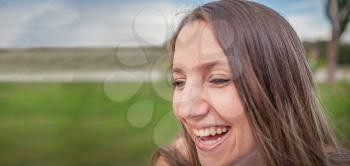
78	124
336	101
75	124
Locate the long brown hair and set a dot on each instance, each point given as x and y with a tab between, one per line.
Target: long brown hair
273	80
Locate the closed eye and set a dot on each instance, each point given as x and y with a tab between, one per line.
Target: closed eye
178	83
219	81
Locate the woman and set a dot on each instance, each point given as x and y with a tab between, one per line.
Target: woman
244	93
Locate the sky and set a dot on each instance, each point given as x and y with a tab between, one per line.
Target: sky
110	23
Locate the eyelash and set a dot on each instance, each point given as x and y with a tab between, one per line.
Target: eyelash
219	81
177	83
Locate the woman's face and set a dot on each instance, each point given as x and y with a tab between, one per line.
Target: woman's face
205	98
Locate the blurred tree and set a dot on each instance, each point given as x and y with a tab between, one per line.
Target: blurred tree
338	11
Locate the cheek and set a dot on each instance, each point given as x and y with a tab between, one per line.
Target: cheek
227	103
175	105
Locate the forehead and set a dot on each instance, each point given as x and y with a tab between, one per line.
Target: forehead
197	43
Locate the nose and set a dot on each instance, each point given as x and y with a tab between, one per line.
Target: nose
195	102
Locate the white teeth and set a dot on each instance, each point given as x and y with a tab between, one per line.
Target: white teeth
209	131
212	132
219	131
206	132
210	142
201	133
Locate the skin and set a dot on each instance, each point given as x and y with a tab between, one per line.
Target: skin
206	95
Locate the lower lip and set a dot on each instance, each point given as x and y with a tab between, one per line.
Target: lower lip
206	147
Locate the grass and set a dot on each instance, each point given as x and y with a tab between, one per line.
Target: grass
74	124
336	100
79	124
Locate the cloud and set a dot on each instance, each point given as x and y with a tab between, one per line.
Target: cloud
127	23
139	24
61	25
14	18
309	20
309	27
47	28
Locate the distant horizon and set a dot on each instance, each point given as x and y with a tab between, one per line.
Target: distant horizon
77	47
127	47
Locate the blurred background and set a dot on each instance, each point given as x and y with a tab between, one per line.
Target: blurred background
85	82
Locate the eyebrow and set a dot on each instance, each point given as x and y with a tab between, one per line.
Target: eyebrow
204	66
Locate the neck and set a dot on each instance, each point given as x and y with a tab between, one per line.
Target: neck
252	158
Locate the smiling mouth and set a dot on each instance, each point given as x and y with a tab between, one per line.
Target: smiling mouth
210	137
